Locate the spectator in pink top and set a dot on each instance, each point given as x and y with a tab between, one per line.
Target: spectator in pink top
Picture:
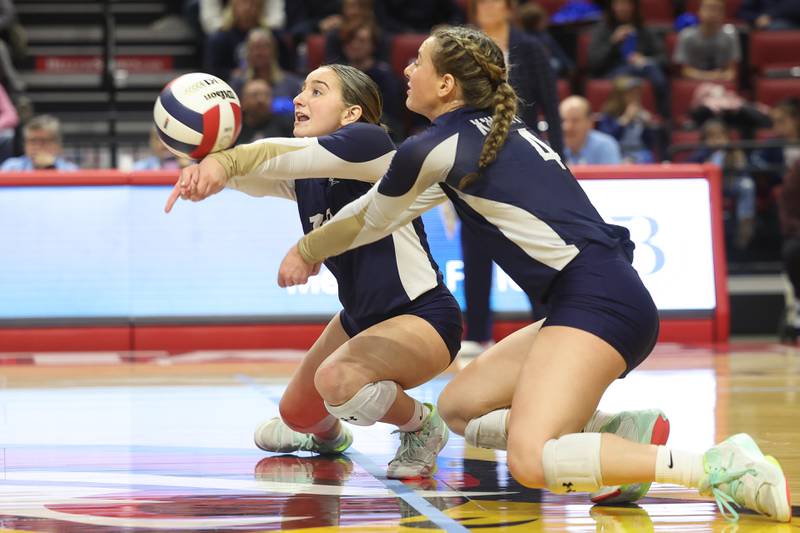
9	119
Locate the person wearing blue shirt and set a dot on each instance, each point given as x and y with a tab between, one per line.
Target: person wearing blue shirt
160	157
583	144
42	148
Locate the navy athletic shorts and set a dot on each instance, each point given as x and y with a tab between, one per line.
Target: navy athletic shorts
600	292
437	307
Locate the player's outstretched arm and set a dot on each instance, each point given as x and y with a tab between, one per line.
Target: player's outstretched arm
351	155
419	164
197	182
295	270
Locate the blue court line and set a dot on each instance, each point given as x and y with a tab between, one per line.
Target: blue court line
420	504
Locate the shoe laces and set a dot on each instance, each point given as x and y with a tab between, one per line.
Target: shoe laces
726	501
308	443
409	440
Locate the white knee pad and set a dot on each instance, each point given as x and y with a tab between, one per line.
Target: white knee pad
572	463
368	405
488	431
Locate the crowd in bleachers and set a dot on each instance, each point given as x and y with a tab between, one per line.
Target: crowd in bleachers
638	81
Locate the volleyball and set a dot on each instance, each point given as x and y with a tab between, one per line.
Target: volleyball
197	114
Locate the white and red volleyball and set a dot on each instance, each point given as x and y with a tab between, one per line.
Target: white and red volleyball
197	114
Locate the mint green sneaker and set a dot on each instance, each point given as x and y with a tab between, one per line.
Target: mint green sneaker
275	436
418	450
738	474
649	426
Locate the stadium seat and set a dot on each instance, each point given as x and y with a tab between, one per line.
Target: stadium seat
770	91
682	91
551	6
582	50
564	89
774	50
315	51
684	137
657	12
670	42
597	92
766	134
404	49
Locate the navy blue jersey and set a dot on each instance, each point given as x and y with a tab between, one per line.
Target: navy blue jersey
531	212
324	174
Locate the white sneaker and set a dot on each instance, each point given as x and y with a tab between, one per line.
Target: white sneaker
737	473
418	450
649	426
472	349
275	436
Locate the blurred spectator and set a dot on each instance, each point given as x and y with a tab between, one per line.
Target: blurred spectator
771	14
529	72
711	100
789	213
304	17
533	19
9	77
738	187
621	44
42	147
161	158
416	16
583	144
11	31
215	15
261	62
238	18
359	42
258	120
628	122
9	119
786	124
709	51
355	13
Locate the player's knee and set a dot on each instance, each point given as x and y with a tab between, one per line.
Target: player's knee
338	381
569	463
525	464
448	409
290	413
369	405
298	416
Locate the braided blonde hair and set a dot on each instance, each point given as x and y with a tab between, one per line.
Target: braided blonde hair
477	63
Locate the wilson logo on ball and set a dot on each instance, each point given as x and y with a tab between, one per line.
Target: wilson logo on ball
197	114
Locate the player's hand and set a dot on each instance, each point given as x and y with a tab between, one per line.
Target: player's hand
210	178
198	182
181	188
294	270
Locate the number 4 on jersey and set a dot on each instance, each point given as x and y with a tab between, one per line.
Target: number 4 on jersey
544	150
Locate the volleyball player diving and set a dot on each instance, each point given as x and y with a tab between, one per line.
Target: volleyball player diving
399	326
536	392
